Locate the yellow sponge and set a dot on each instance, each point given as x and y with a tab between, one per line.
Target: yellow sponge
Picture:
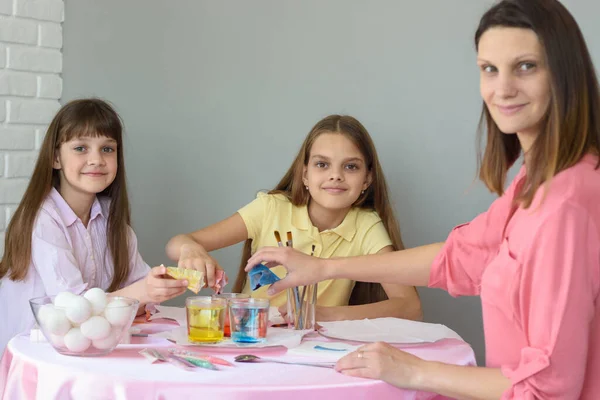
195	278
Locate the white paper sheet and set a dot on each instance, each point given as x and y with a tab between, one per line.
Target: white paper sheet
322	351
275	337
391	330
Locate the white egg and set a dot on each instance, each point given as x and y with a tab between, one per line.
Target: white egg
95	328
76	342
44	312
108	342
78	310
118	312
57	341
55	322
97	298
63	299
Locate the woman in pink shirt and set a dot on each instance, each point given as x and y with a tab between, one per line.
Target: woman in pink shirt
534	256
71	230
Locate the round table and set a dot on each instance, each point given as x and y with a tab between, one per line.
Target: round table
30	370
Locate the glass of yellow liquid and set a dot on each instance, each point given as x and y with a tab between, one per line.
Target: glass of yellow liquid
205	318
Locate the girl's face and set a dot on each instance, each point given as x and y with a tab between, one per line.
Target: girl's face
87	165
336	173
514	81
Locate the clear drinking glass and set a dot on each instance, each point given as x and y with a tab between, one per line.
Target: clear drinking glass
205	319
249	320
301	302
228	297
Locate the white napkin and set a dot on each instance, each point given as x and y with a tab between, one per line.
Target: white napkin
275	317
178	314
174	313
275	337
391	330
322	351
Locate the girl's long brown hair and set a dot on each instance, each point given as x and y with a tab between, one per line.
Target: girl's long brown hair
79	118
571	127
375	196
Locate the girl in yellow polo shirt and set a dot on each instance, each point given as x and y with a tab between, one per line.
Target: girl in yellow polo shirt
333	197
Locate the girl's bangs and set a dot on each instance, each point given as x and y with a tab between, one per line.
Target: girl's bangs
95	124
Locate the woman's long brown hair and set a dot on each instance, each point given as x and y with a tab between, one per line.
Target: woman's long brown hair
79	118
571	127
375	196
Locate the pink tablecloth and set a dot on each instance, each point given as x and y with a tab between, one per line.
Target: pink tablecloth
31	370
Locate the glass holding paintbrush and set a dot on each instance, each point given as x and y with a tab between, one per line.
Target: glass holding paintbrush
302	300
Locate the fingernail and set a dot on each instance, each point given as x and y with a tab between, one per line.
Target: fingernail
185	283
270	292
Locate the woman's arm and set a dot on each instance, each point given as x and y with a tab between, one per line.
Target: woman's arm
403	302
472	245
401	369
409	267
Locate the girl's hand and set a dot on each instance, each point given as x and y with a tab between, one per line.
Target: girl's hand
301	269
160	287
195	257
383	361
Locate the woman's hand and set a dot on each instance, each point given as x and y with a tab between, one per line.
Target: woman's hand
385	362
160	287
195	257
301	268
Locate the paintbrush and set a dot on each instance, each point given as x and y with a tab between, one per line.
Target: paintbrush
290	243
278	238
316	289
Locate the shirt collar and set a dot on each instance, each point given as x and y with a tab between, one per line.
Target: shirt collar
347	229
66	212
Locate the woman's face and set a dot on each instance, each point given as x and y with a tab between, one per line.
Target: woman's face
514	80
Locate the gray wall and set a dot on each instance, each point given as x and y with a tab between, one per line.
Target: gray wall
217	97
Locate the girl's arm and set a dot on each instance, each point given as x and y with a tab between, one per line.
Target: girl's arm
53	257
156	287
145	284
403	302
191	249
224	233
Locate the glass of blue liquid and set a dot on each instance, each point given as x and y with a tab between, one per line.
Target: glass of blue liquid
248	319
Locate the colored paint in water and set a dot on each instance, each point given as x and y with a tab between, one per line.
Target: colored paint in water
249	319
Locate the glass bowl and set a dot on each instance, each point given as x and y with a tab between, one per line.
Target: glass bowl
73	329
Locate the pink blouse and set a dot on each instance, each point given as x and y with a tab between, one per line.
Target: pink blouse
538	275
66	256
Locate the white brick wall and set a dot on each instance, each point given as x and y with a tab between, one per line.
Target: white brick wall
30	87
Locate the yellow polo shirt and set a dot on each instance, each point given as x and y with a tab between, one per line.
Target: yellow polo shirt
361	232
